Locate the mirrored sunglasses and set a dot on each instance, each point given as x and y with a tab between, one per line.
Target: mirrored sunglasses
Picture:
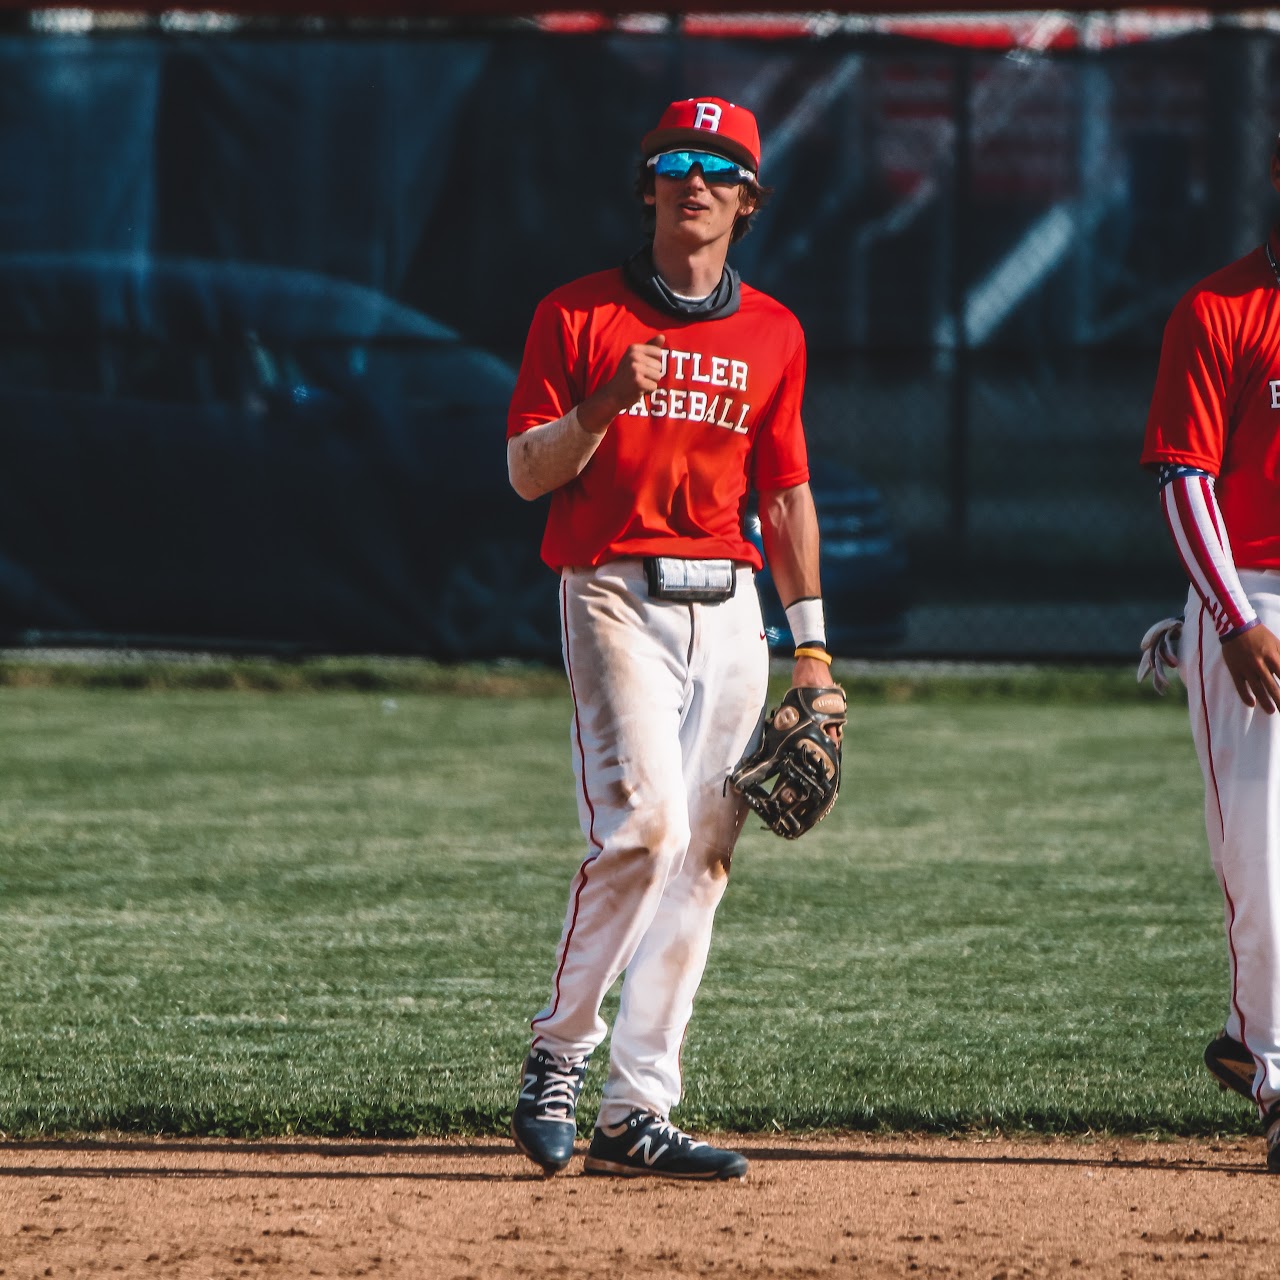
678	164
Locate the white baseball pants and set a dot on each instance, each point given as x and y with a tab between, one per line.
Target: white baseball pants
666	698
1239	751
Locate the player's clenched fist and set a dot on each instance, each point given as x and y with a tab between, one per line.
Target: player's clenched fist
640	369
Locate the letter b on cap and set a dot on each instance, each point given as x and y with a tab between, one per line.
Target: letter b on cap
707	117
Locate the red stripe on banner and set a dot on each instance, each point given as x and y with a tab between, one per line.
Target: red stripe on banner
1000	24
910	10
591	826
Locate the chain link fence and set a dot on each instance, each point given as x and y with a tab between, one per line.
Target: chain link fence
982	246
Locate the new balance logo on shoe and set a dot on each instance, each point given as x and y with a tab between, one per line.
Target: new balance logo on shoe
647	1155
647	1144
644	1148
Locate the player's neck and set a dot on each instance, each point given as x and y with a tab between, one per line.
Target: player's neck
690	273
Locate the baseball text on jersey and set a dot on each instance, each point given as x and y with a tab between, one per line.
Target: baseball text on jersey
694	403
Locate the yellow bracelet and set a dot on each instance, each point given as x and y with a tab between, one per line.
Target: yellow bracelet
821	654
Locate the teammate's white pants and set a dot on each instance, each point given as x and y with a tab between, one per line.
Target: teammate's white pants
1239	750
666	698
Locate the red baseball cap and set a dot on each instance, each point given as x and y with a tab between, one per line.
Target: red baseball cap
707	124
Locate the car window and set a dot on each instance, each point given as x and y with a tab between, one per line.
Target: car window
438	374
240	372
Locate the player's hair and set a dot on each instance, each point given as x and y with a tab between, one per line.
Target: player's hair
645	187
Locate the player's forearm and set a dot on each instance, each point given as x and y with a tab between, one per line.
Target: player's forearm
789	529
1195	522
547	456
550	455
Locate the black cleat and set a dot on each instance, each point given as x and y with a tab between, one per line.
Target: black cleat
544	1123
1272	1122
1231	1064
647	1145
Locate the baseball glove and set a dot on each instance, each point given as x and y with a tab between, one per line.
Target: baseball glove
1160	652
801	749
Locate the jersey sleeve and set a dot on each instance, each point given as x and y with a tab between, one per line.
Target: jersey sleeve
545	387
1200	535
779	456
1187	420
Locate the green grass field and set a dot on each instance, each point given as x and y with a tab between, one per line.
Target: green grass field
235	912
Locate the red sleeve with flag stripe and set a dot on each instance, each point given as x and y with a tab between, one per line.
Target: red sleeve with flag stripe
1191	510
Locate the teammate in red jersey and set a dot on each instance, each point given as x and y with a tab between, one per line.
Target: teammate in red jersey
1213	435
651	399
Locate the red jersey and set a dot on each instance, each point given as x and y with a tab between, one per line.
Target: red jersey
1217	398
672	474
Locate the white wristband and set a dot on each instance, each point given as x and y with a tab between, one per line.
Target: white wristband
806	621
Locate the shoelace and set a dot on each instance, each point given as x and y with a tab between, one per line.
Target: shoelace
559	1093
677	1136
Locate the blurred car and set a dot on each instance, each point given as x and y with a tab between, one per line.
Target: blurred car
863	562
239	456
236	456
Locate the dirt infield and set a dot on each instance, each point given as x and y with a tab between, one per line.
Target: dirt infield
859	1206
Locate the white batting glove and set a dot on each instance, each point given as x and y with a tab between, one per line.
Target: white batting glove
1160	652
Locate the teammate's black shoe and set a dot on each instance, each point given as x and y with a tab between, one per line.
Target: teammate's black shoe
1272	1123
544	1123
1231	1064
646	1144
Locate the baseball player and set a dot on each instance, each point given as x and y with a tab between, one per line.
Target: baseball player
651	398
1213	436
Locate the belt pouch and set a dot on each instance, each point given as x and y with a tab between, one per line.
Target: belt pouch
690	581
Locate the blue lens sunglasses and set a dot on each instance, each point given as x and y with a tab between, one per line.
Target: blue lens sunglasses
679	164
